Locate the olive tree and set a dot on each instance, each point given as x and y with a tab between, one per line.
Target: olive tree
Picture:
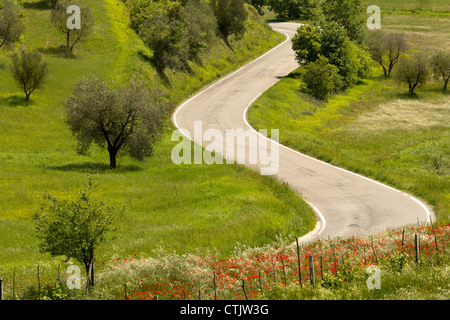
386	49
413	70
74	228
441	66
59	18
11	26
128	120
231	17
29	70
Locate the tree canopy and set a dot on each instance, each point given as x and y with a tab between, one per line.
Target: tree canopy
128	120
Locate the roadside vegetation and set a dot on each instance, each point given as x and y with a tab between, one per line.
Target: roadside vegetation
183	208
390	124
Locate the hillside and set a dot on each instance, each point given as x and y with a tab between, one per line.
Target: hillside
184	208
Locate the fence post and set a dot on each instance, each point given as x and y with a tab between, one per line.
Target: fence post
299	265
243	289
260	283
215	292
373	249
284	271
311	270
416	245
1	289
403	239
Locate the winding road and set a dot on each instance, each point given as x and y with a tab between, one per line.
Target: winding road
345	203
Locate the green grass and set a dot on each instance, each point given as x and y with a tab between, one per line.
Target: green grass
374	128
186	208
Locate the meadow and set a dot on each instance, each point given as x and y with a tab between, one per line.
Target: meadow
184	208
374	128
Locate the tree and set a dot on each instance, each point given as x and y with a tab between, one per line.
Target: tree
386	49
441	66
296	9
332	42
231	17
74	228
307	43
321	78
349	14
413	70
59	17
163	30
258	4
11	26
127	120
29	70
201	27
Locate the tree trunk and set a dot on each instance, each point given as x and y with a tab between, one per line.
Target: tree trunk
445	84
68	39
112	159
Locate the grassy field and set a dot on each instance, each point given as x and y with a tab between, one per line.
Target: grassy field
198	208
374	128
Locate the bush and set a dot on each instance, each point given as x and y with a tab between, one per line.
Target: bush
29	70
321	78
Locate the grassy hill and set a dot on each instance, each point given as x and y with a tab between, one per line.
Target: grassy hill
373	128
183	208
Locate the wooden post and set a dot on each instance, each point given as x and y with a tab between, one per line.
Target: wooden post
321	266
260	283
1	289
311	270
214	280
403	239
273	270
125	290
243	289
373	249
199	295
299	265
416	245
418	228
284	271
39	284
435	241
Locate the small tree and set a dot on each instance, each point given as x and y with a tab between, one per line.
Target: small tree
231	17
201	27
321	78
441	66
59	18
129	120
386	49
167	38
413	70
11	26
307	44
29	70
74	228
349	14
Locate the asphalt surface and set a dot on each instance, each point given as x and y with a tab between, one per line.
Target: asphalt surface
345	203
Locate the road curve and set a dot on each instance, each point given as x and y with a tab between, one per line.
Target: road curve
345	203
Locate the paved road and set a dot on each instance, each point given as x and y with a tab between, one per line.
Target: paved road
345	203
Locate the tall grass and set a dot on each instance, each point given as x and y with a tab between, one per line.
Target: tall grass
184	208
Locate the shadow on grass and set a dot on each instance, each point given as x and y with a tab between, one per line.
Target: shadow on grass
165	80
60	51
38	5
94	167
15	101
